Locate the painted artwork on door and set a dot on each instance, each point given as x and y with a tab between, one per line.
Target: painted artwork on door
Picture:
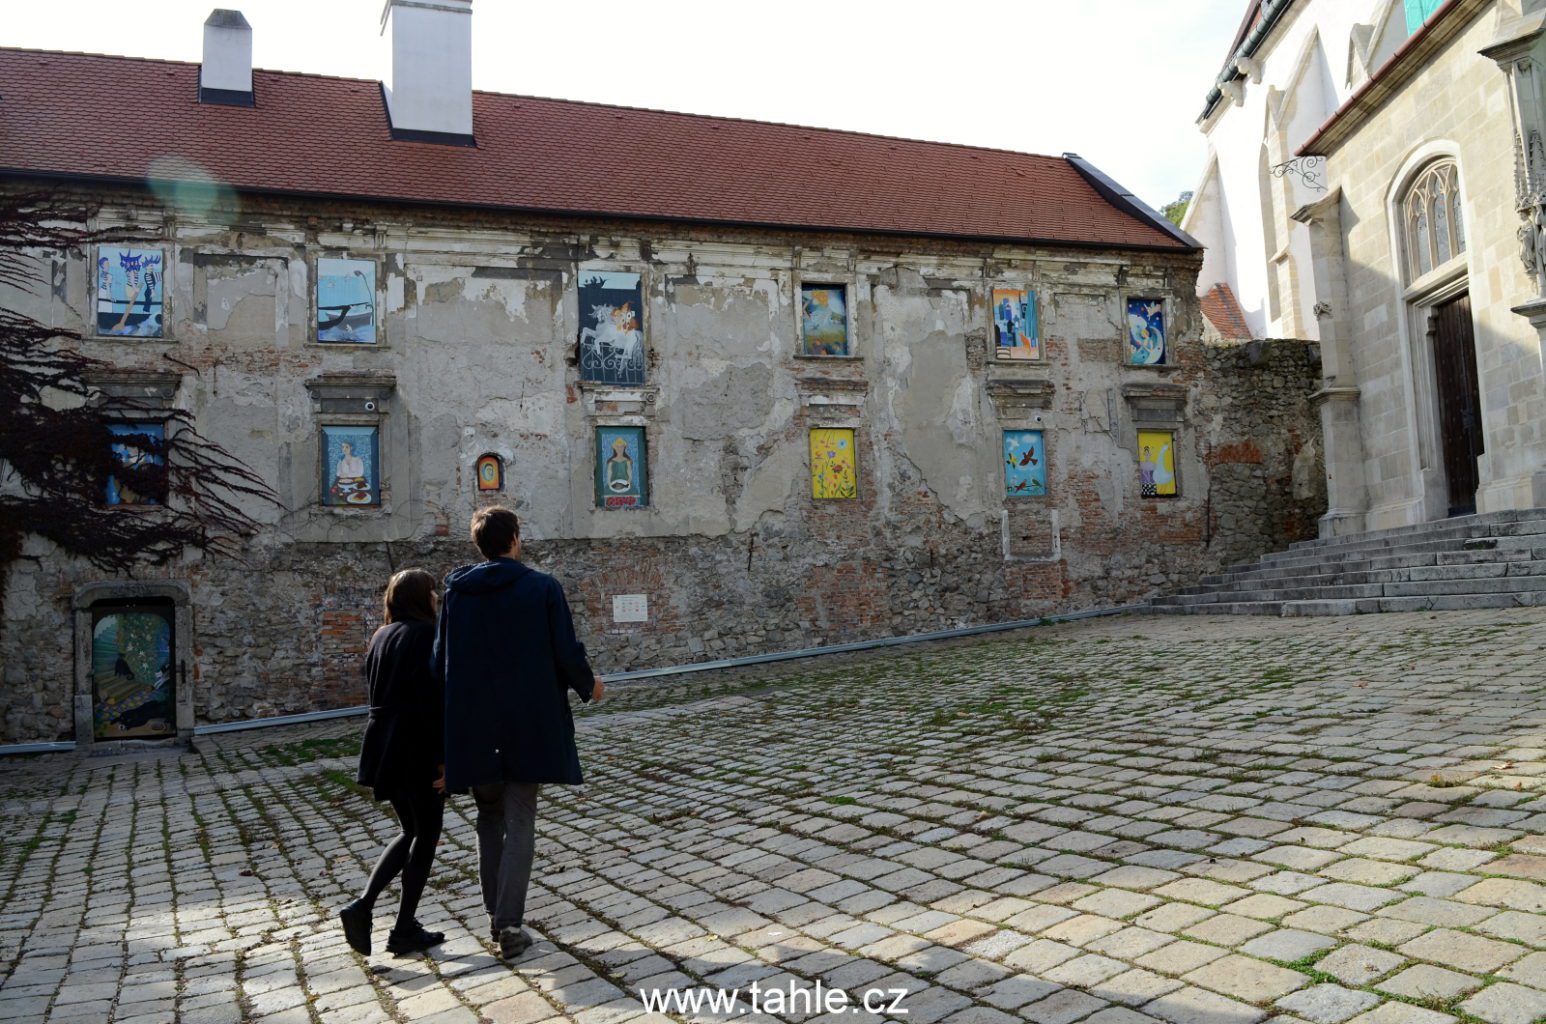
1025	464
351	473
346	301
834	463
1157	463
131	287
824	320
138	446
1014	324
611	328
622	473
1146	332
132	672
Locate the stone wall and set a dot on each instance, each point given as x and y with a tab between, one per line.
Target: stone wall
733	555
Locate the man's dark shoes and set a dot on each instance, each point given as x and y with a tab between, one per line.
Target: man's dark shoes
413	939
355	918
513	942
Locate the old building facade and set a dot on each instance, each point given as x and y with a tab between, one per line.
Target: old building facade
1370	165
885	388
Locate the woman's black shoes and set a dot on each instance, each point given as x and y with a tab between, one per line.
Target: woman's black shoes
414	939
356	921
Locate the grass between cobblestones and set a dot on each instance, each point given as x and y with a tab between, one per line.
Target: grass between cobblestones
1115	821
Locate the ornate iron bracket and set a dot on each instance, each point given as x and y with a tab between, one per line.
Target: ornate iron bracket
1310	169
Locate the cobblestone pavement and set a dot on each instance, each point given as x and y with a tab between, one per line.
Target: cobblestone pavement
1198	821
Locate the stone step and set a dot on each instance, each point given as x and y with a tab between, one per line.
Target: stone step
1421	588
1511	564
1449	529
1481	519
1356	606
1453	544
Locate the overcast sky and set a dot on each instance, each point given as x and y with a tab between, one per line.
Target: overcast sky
1119	82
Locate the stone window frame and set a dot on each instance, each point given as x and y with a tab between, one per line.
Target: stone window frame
650	507
1416	200
1031	283
169	248
82	602
647	391
850	284
1163	297
315	283
1158	406
134	396
1022	403
352	400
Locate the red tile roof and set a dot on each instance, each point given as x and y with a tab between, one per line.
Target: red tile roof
1222	309
127	119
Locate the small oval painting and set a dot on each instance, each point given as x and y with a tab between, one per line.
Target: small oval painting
491	473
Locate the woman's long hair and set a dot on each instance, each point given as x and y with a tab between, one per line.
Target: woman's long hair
409	597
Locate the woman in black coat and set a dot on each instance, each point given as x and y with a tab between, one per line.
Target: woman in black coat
402	758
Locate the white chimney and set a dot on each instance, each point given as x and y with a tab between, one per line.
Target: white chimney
431	86
226	75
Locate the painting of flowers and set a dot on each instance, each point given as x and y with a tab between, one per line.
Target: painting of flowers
834	471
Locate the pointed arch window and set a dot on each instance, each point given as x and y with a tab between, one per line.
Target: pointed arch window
1432	219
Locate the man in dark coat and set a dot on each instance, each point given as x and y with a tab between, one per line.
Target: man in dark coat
507	652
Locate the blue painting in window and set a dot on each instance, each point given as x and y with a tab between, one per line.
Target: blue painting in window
1146	332
130	291
140	447
351	472
346	301
1025	464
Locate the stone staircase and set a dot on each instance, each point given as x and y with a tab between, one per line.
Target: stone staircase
1495	560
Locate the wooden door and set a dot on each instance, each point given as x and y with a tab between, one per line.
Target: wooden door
1460	403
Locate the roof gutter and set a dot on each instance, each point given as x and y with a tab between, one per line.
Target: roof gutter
1128	203
1272	11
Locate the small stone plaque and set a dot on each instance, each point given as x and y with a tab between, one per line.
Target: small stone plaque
630	608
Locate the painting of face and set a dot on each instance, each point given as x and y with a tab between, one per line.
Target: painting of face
1014	324
622	476
834	465
350	474
824	319
491	473
130	290
1157	464
1025	464
611	328
141	447
346	301
1146	332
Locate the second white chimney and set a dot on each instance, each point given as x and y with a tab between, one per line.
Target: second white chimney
226	74
431	85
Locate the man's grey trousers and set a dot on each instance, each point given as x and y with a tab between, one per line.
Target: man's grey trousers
507	839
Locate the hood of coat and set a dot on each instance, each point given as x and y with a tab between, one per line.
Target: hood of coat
485	577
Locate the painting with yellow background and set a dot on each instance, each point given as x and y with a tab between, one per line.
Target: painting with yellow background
1157	463
833	473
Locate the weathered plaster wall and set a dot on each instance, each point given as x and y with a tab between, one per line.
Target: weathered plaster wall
479	321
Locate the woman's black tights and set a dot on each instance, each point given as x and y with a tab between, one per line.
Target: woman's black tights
411	854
